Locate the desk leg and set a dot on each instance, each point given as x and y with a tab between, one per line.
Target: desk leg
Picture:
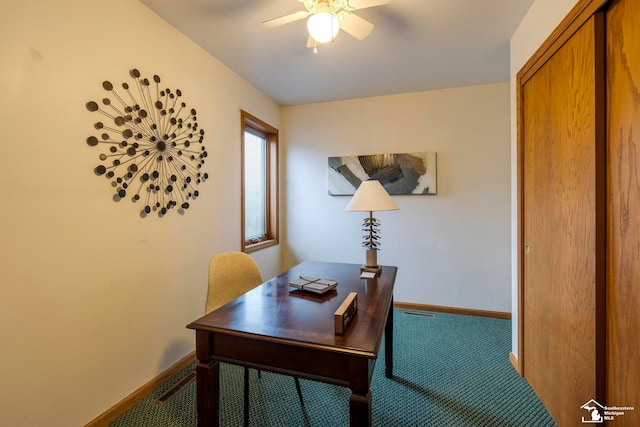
360	409
208	392
360	399
388	343
207	383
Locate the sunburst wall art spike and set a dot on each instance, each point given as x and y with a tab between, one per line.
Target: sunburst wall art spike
153	146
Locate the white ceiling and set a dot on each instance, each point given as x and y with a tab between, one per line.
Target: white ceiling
416	45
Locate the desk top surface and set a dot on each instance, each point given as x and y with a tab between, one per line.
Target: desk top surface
276	312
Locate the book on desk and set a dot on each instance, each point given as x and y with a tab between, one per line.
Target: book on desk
314	285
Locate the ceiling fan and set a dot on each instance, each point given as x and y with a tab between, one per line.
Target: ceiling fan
327	17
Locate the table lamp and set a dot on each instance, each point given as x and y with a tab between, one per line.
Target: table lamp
371	196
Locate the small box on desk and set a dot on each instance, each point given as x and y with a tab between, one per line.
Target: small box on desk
345	313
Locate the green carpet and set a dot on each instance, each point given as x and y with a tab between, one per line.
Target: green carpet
450	370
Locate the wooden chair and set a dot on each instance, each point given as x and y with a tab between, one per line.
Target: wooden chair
232	274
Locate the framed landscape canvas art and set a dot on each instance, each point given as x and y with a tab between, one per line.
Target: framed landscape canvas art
399	173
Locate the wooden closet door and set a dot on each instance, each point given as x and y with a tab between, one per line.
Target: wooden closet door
623	143
561	129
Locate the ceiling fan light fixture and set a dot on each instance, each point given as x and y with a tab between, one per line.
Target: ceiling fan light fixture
323	26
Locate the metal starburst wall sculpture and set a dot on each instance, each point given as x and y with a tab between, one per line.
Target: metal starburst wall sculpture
155	152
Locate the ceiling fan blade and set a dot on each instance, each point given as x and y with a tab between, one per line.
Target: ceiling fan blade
296	16
363	4
356	26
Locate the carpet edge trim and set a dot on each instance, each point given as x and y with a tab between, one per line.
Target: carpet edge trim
515	362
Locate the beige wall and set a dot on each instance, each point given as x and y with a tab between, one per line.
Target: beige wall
94	299
541	19
451	249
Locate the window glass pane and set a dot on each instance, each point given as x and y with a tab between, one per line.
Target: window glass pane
260	184
255	186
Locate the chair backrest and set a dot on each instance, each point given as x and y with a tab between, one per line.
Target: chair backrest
231	274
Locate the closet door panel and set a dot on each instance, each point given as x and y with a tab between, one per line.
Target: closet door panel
559	220
623	144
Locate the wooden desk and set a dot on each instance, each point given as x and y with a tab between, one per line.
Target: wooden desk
276	329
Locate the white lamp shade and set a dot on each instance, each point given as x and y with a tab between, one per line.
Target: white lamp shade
371	196
323	26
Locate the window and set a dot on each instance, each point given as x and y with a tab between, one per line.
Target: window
259	184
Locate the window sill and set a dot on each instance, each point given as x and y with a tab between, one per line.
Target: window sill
252	247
